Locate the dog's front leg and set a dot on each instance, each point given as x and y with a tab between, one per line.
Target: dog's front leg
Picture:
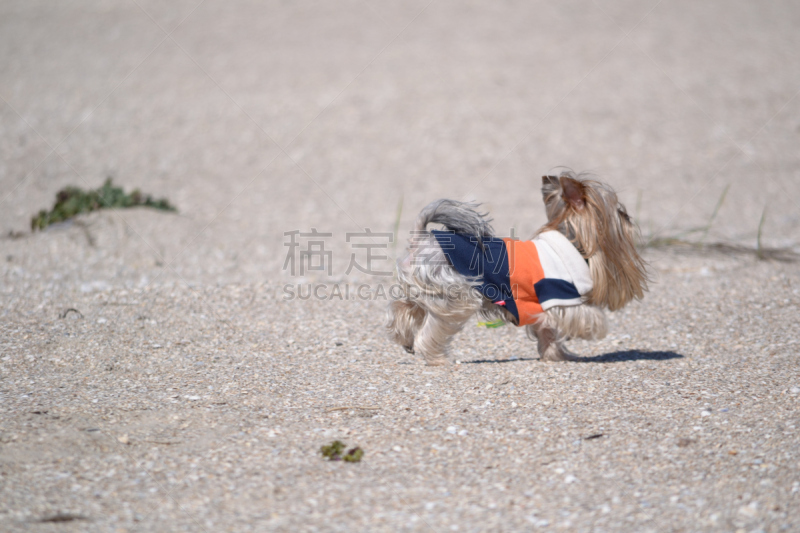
551	346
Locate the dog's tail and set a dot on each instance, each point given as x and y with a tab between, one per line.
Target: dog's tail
460	217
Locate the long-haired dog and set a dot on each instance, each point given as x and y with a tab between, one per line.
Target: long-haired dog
584	260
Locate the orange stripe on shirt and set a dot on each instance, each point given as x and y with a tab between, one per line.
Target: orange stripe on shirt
524	270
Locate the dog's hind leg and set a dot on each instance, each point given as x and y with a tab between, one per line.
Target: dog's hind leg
434	337
405	318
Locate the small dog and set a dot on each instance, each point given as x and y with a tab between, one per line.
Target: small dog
556	285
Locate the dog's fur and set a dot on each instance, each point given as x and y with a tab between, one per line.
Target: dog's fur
438	301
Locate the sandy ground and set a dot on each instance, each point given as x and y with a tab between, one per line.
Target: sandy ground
154	377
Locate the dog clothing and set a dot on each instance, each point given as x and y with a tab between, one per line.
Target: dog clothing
527	277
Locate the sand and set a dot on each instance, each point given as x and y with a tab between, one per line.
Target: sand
154	376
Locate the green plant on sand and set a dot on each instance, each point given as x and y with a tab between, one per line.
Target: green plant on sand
72	201
333	452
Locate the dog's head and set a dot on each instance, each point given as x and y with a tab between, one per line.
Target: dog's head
589	214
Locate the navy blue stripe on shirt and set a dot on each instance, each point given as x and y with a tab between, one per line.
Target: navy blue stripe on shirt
555	289
490	265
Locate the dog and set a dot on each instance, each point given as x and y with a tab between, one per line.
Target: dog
557	285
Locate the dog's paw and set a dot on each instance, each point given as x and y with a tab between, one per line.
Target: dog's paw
409	349
554	352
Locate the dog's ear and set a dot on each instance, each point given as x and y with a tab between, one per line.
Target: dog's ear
572	192
550	186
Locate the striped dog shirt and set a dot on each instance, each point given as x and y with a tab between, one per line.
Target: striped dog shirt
527	277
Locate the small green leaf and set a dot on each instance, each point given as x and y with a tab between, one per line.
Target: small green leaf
333	451
354	455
